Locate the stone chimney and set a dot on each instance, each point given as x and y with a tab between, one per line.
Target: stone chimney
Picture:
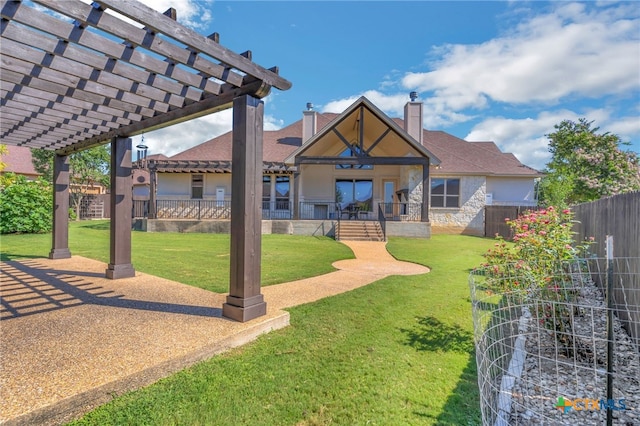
413	117
309	123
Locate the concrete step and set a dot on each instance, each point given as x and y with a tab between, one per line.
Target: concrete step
356	230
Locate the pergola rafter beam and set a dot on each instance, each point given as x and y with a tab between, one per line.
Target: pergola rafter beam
80	76
207	106
197	42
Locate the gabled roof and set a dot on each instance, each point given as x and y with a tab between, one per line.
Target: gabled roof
473	158
277	144
454	156
351	111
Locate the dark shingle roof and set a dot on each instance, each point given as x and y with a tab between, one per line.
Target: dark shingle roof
277	144
457	156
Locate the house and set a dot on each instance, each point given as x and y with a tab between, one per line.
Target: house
357	165
18	160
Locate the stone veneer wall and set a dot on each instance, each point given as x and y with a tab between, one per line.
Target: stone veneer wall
414	176
469	218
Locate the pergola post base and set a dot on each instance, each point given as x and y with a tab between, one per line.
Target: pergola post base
115	272
245	301
121	211
60	253
244	310
60	234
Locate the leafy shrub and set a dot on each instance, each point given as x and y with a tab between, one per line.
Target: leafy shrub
542	243
26	206
537	269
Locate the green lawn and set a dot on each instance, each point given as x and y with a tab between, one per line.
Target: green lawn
201	260
396	352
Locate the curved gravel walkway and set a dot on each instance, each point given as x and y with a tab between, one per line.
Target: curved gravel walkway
71	339
372	263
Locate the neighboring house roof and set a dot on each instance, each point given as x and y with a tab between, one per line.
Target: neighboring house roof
157	157
449	154
18	160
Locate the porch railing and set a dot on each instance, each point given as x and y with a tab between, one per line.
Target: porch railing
403	212
193	209
317	210
308	210
140	209
276	210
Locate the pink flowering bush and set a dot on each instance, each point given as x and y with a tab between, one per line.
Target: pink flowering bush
542	241
536	265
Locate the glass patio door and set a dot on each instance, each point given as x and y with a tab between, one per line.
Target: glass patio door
354	191
389	198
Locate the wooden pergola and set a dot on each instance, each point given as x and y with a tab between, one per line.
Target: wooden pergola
76	75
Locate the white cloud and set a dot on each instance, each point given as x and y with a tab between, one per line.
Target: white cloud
436	113
527	138
191	13
568	52
391	104
575	52
179	137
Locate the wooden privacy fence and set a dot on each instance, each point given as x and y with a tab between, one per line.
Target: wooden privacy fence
494	219
618	216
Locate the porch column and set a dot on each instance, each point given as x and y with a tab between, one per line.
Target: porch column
426	189
121	208
152	193
60	237
296	192
245	302
272	196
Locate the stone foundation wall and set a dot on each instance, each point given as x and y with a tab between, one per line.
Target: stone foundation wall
286	227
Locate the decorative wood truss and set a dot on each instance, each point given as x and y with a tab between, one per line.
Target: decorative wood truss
363	129
77	75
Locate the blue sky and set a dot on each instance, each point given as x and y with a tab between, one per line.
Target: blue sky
501	71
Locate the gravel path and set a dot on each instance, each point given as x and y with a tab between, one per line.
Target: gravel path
71	339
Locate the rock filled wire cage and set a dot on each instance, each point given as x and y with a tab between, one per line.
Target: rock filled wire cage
544	350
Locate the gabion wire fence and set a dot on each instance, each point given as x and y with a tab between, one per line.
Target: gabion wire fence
546	354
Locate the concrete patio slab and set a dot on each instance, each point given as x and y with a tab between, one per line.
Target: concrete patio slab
72	339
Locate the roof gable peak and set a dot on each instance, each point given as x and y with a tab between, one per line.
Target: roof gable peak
353	122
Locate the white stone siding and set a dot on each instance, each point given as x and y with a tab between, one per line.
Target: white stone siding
469	218
415	184
411	179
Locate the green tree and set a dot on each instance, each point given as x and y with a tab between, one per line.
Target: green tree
89	167
586	165
26	206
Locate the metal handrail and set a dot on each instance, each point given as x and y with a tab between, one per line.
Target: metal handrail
383	221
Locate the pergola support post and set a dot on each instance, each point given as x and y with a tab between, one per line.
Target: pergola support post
121	211
60	237
152	193
245	302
